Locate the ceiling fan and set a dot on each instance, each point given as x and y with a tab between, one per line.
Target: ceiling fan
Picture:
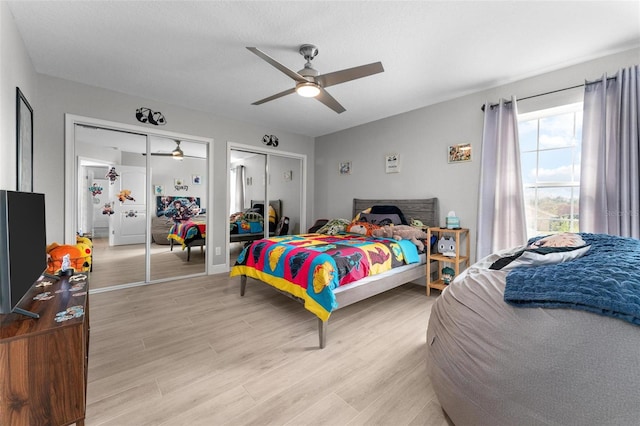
310	84
177	153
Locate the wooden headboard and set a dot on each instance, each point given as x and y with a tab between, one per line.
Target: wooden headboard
425	210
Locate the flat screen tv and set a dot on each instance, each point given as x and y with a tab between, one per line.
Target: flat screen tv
23	246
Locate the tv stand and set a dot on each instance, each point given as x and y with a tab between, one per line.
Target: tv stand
43	362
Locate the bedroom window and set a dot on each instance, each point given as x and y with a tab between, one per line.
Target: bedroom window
550	143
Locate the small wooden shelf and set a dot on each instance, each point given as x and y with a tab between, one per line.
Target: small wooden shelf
459	262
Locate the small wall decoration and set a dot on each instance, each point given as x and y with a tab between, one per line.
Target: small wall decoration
460	153
196	179
288	175
95	189
146	115
392	163
24	137
345	168
270	140
158	189
112	175
108	209
124	195
178	185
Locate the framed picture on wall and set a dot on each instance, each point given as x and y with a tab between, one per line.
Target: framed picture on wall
24	136
158	189
178	181
345	168
459	153
196	179
392	163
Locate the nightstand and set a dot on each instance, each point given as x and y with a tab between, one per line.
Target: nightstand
459	262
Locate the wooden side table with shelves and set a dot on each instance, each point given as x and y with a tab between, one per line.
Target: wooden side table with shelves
456	262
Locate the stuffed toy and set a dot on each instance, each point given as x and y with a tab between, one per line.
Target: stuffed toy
447	246
402	232
447	275
55	255
86	248
362	228
334	227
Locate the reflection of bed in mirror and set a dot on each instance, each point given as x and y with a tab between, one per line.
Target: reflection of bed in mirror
245	231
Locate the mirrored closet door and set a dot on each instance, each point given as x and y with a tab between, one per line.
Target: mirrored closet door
135	194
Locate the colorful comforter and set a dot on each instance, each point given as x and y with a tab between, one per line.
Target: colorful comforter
188	231
311	266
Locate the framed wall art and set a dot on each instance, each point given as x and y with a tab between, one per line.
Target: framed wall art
158	189
196	179
459	153
24	137
345	168
392	163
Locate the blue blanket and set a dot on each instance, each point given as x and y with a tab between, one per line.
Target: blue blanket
606	280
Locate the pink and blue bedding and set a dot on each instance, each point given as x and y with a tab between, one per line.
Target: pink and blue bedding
311	266
188	231
605	280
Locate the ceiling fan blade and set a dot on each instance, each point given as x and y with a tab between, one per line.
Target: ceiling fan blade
337	77
276	96
330	101
294	75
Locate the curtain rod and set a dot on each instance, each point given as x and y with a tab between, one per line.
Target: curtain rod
552	91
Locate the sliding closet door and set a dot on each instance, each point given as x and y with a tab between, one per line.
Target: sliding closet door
178	218
285	184
111	179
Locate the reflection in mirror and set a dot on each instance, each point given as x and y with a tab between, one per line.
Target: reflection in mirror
112	203
178	220
113	200
247	182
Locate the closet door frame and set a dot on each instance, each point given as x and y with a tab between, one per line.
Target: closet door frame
269	153
71	173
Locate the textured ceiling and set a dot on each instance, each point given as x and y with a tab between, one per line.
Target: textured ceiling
193	53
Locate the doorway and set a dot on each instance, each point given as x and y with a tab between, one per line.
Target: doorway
123	177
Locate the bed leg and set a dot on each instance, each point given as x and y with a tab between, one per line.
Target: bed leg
243	284
188	253
322	332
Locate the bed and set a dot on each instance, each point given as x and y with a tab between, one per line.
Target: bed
244	231
322	301
541	344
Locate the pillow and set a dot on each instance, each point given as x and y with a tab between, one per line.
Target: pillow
380	219
565	239
333	227
539	257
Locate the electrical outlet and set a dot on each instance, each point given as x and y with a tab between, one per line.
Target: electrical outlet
218	251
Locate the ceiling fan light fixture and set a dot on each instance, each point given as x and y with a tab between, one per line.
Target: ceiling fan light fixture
177	153
308	89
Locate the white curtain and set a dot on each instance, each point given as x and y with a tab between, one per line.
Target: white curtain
237	189
501	216
610	177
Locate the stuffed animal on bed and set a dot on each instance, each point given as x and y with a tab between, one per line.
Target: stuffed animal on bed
362	228
402	232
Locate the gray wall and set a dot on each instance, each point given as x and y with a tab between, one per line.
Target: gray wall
16	70
421	138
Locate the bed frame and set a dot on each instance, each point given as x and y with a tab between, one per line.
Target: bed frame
427	211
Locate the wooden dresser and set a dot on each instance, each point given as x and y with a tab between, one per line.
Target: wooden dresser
43	362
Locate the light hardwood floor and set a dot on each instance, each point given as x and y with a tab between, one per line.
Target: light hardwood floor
193	352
